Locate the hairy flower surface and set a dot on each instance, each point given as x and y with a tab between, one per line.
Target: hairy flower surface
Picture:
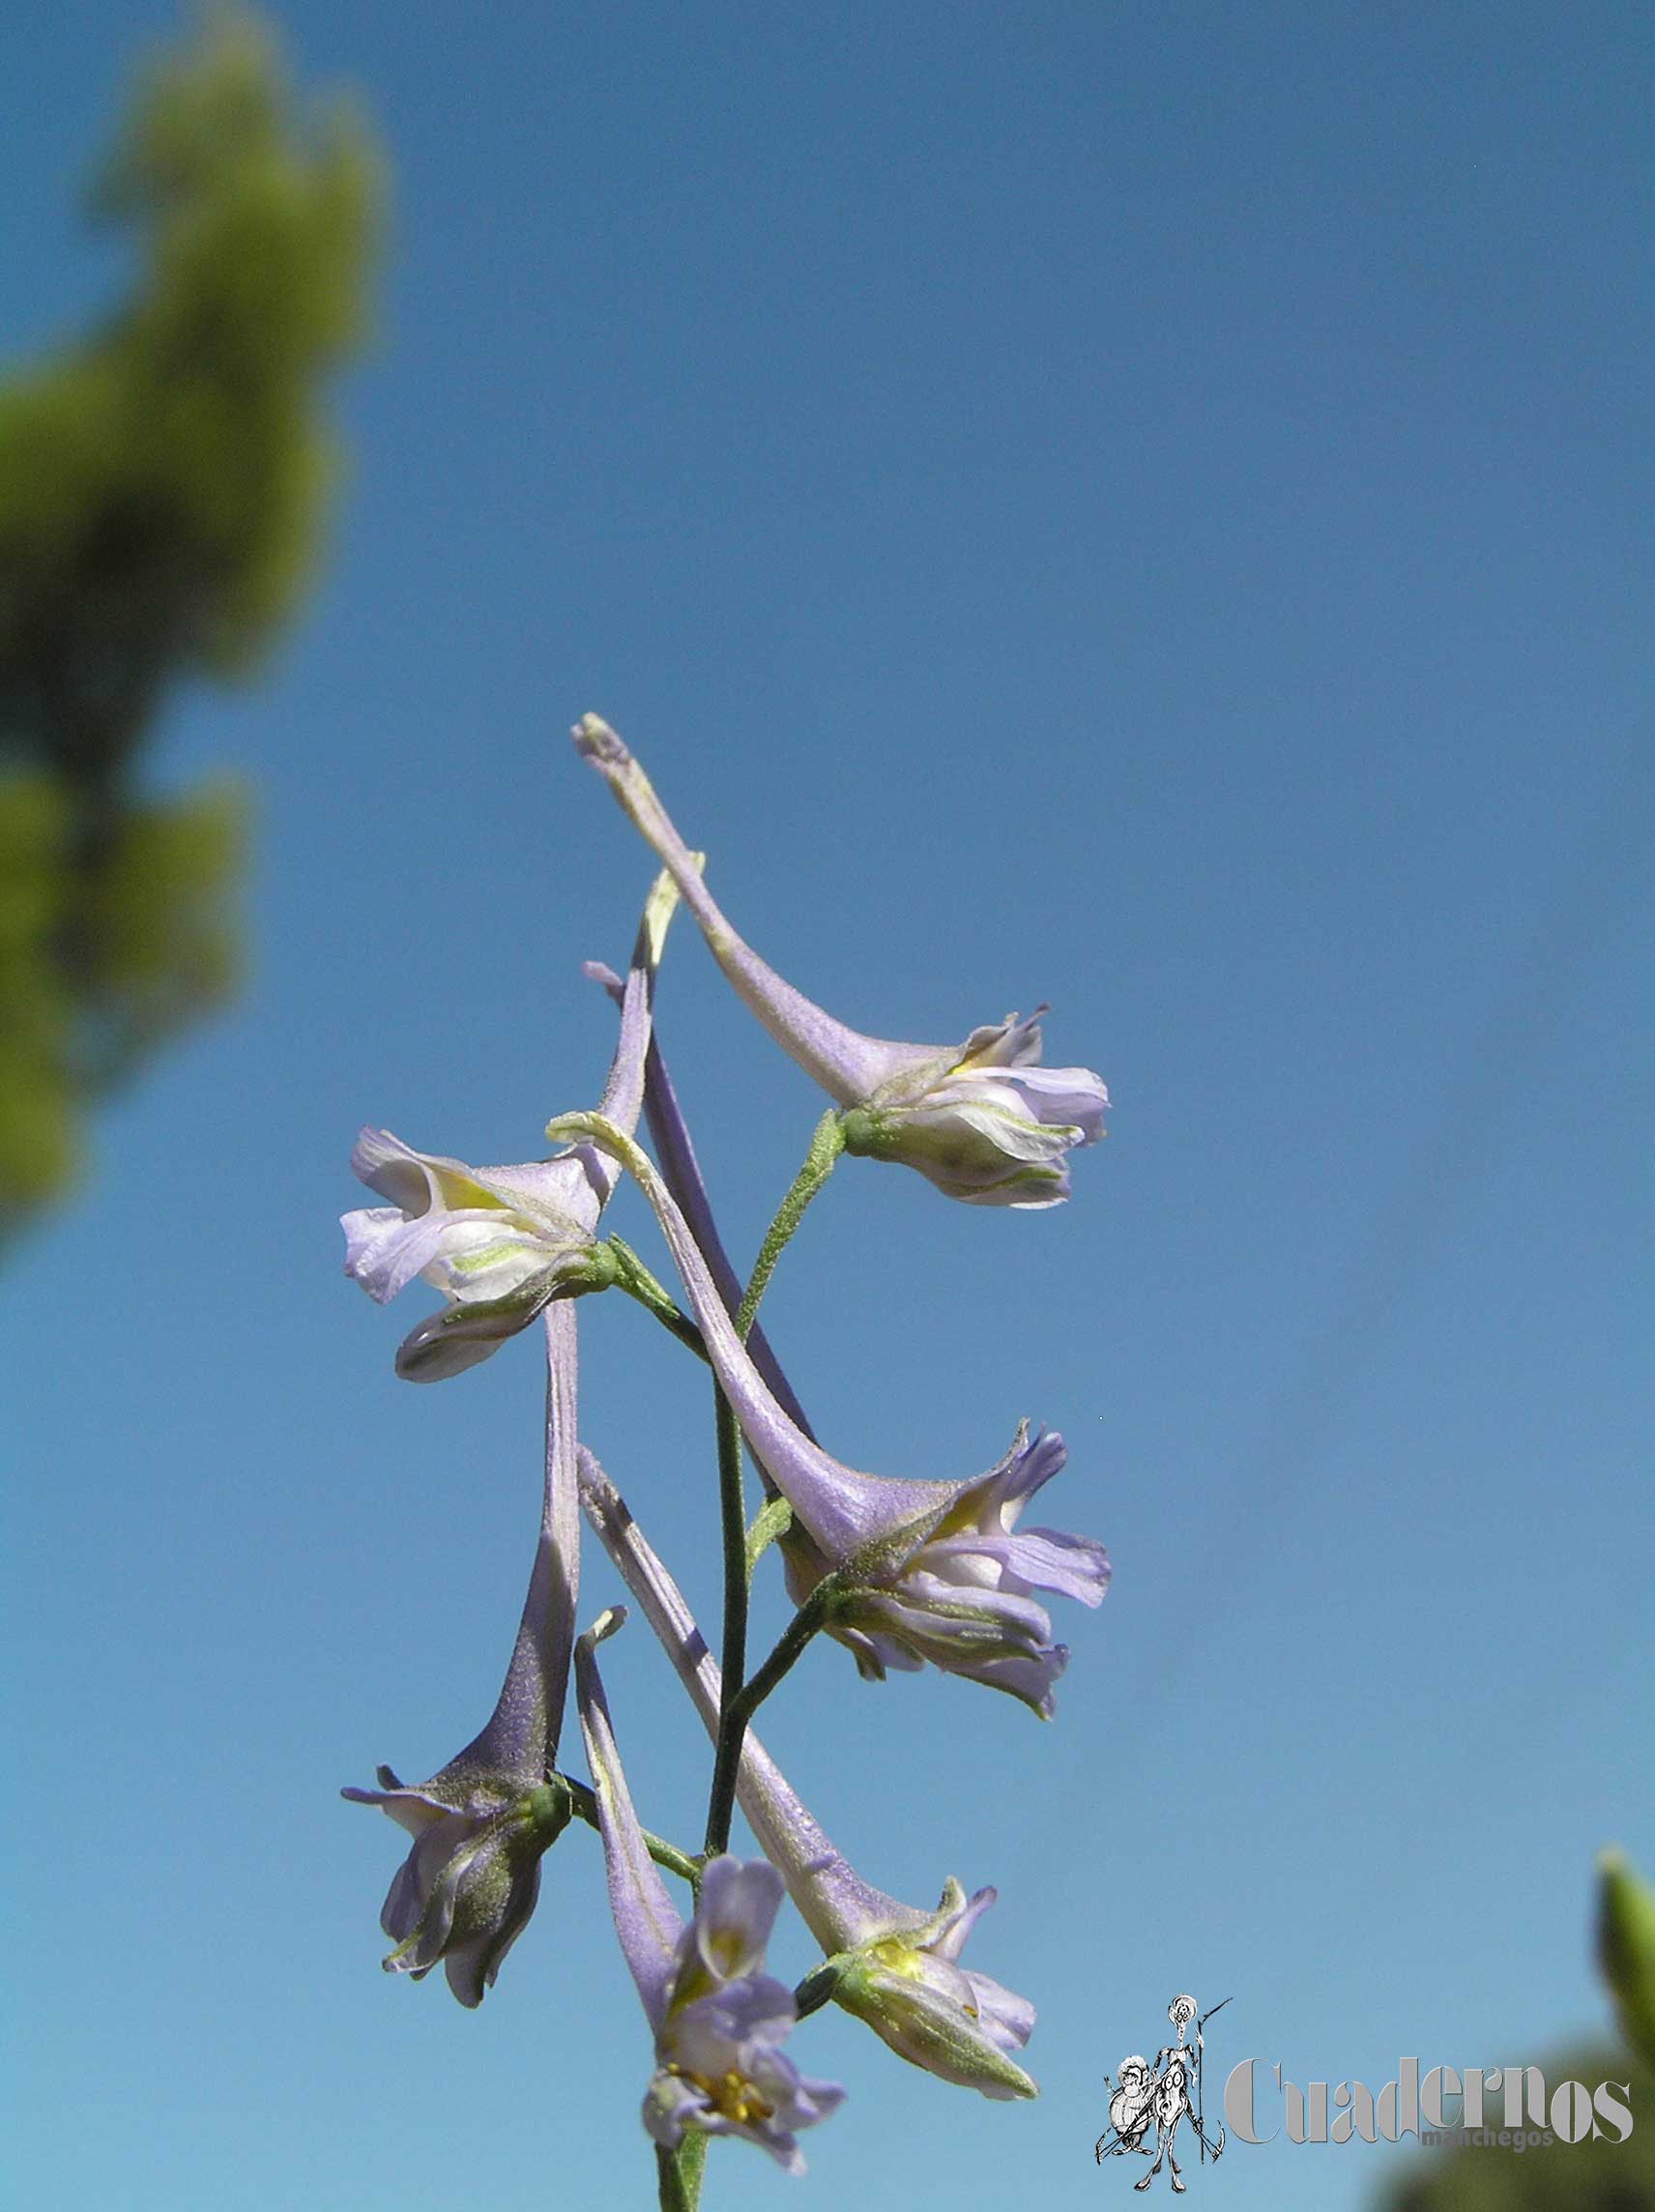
718	2019
982	1120
896	1968
936	1570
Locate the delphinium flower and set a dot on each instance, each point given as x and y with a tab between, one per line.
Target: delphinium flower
936	1569
484	1821
893	1965
499	1243
982	1120
718	2019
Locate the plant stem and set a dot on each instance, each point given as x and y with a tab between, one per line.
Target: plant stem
679	2173
635	1279
735	1702
813	1614
584	1806
825	1146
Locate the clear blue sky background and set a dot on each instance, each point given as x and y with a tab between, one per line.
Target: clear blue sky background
1142	508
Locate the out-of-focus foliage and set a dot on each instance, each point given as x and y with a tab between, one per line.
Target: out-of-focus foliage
1626	1950
1603	2176
163	484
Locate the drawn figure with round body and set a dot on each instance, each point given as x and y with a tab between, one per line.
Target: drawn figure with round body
1131	2110
1162	2100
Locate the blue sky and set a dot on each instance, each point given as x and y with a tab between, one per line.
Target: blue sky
1140	508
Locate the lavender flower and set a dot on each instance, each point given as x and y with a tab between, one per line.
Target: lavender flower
718	2019
963	1598
483	1822
894	1966
465	1892
982	1120
499	1243
938	1570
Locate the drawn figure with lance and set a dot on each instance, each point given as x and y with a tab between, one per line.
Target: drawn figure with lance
1162	2099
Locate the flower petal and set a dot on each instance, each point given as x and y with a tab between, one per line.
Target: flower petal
413	1181
646	1923
736	1915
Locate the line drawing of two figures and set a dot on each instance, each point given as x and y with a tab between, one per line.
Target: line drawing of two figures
1158	2099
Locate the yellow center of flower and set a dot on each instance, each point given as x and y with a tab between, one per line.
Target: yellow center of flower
898	1958
901	1959
732	2096
726	1946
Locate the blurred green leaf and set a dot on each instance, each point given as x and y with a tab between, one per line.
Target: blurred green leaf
1626	1950
1601	2176
164	484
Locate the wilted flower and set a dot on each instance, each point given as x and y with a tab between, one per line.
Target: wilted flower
481	1825
894	1966
982	1120
936	1570
499	1243
718	2019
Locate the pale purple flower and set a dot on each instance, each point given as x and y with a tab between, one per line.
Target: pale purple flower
483	1822
963	1599
499	1243
982	1119
466	1890
717	2017
938	1570
896	1968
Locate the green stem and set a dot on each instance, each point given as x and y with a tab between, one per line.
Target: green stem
584	1806
735	1712
825	1146
812	1616
679	2173
735	1702
635	1279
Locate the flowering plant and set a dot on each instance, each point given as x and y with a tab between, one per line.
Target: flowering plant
903	1572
